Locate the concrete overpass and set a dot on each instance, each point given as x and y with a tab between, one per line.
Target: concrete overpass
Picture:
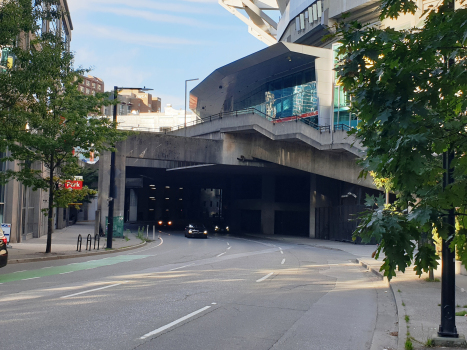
271	175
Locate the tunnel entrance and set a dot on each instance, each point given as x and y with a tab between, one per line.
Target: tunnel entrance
264	198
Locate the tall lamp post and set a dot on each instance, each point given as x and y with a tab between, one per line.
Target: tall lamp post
110	225
186	81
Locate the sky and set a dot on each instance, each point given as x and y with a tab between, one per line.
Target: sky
156	43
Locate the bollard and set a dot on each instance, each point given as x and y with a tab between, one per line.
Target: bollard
89	241
147	231
98	239
153	232
78	244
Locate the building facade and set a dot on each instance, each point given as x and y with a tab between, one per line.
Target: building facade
135	101
20	206
158	122
91	85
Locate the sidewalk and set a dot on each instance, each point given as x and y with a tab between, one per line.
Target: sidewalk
64	245
414	296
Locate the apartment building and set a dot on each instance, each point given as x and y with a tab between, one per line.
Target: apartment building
135	101
91	85
20	206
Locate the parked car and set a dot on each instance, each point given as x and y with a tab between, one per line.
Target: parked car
196	230
3	249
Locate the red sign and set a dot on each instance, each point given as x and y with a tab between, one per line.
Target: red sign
295	117
74	185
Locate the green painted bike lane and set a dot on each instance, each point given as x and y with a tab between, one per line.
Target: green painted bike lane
56	270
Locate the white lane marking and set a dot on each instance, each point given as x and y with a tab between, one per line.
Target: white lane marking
32	278
64	273
48	267
19	271
171	324
91	290
181	267
221	254
142	250
228	243
283	261
214	303
282	252
263	278
229	248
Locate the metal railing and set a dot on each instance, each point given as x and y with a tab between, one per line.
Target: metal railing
342	127
250	110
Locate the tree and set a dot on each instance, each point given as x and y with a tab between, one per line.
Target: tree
43	115
408	88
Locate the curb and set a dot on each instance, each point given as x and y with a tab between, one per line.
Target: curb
402	334
60	257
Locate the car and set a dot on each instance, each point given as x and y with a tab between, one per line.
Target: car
220	227
3	249
164	223
196	230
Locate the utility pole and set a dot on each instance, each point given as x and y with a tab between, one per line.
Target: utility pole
448	328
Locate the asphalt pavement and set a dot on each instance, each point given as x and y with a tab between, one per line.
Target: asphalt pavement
226	292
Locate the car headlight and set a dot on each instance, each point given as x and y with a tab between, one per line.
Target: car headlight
160	222
170	222
227	228
205	232
190	231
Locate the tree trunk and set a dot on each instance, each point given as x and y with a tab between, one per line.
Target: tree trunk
50	217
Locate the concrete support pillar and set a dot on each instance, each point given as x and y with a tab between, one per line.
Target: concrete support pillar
268	189
120	182
104	181
312	205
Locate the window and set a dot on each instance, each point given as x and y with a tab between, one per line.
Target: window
88	91
99	87
297	24
310	14
320	8
94	85
315	13
82	88
302	21
88	83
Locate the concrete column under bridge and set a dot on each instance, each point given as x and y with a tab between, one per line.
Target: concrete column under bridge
268	204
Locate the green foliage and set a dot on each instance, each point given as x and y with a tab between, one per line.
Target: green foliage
44	116
408	345
461	313
429	342
407	318
409	90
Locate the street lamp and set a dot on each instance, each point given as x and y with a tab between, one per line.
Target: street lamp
185	98
110	227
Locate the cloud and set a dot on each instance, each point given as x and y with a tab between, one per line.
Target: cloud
136	38
152	16
77	5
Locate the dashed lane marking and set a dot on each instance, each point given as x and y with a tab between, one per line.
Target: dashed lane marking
265	277
174	323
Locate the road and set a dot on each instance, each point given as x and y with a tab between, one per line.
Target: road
224	292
